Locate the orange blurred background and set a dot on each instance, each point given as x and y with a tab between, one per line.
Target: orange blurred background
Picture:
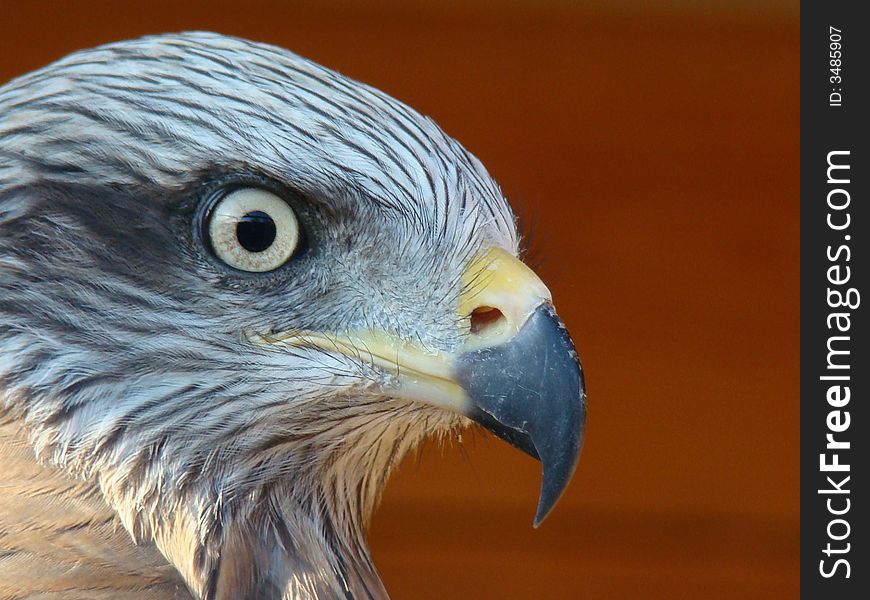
655	149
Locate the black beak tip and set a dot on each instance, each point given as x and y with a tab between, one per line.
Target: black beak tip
556	476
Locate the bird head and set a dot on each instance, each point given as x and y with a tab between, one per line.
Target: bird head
237	287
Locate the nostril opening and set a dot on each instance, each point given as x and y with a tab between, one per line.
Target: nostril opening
486	319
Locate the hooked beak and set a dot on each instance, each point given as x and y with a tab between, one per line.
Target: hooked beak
517	375
529	391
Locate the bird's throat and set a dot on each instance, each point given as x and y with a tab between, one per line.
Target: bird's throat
297	536
58	535
300	536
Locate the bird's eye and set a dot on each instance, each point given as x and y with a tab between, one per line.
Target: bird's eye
253	230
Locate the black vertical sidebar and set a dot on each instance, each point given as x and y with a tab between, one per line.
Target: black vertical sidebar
835	299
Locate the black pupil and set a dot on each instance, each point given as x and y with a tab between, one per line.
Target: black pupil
256	231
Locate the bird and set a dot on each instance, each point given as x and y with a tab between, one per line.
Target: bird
236	288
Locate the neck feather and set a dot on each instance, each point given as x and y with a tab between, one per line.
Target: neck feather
59	537
296	534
